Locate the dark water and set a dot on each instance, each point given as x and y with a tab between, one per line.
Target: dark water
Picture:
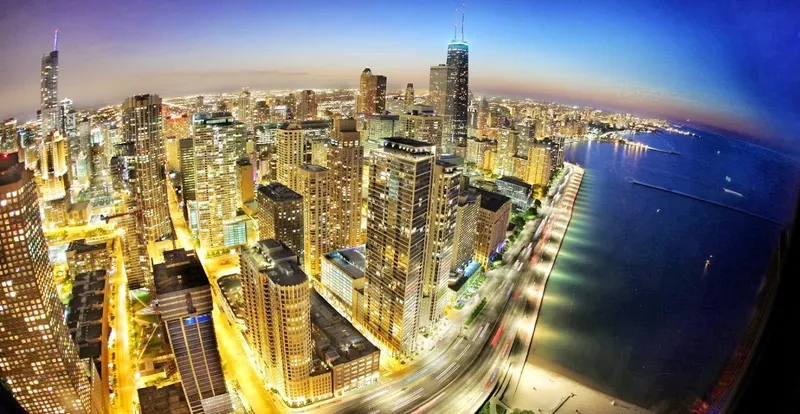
629	308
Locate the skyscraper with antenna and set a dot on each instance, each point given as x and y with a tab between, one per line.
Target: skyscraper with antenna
457	87
49	90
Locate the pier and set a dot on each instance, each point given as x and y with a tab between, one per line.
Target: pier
669	190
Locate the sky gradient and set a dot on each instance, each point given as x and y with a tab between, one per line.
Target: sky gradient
728	64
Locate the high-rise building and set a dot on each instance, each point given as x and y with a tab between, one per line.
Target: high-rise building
478	153
142	128
244	112
466	223
38	362
346	163
506	149
458	96
129	224
306	105
539	164
9	136
183	294
280	215
399	189
437	88
409	95
343	276
278	317
483	117
374	128
493	216
314	185
187	167
439	249
53	167
51	119
472	121
218	144
372	93
244	180
422	124
291	151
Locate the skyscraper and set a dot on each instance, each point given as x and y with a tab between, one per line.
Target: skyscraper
346	162
399	189
306	105
244	112
539	164
38	359
422	125
183	294
278	317
437	88
291	150
280	215
409	95
466	223
9	136
372	93
314	185
439	248
458	96
218	144
493	215
142	127
51	119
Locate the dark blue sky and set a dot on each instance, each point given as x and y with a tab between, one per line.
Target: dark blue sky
729	64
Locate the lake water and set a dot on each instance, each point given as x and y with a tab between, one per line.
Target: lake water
630	308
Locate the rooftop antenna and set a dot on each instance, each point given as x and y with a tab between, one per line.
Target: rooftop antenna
462	26
455	24
55	42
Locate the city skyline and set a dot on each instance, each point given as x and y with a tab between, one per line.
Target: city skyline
718	73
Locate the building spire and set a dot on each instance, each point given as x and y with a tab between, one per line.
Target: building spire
55	41
462	26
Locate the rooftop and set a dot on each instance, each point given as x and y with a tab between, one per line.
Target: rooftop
351	260
278	260
514	181
80	246
278	192
339	341
492	201
313	167
181	270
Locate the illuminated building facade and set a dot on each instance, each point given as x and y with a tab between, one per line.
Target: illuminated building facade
343	275
408	97
142	125
244	111
480	152
183	294
9	136
51	119
280	216
306	105
439	249
372	93
346	163
291	150
278	317
399	190
422	124
374	128
437	88
458	95
464	234
493	215
539	164
218	144
314	185
38	360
